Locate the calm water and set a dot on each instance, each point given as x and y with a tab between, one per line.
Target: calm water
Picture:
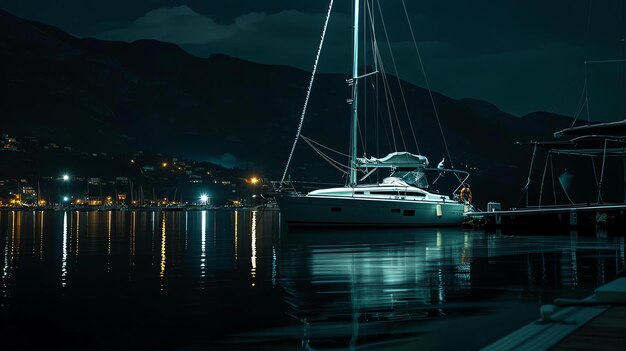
240	280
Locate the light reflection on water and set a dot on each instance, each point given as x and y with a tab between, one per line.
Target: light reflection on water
257	282
203	245
253	245
64	252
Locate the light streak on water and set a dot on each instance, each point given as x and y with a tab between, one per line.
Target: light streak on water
253	244
203	245
64	253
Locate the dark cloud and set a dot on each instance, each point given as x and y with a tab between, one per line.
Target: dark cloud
181	25
287	37
522	56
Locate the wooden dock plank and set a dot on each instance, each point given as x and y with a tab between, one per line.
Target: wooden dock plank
578	342
605	332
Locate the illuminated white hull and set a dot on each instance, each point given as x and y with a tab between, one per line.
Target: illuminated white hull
343	207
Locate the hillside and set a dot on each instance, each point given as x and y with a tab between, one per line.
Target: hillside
148	95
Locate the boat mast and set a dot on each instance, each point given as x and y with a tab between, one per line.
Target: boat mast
355	84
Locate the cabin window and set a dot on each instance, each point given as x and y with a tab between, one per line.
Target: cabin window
415	193
358	192
336	209
394	193
395	210
408	213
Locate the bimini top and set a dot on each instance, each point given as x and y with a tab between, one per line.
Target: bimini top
611	128
588	145
395	159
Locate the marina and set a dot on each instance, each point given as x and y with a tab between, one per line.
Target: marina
457	179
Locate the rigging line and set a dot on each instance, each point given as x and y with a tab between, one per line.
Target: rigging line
373	35
581	104
397	73
387	82
388	105
579	112
326	157
381	67
321	153
587	95
595	174
553	184
602	173
333	163
308	93
530	170
543	178
324	146
360	132
364	142
376	84
430	93
391	102
588	39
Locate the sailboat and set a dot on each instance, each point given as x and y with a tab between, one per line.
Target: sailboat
404	198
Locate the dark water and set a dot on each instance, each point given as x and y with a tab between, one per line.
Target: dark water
237	280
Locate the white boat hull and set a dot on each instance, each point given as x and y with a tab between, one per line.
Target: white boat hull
354	211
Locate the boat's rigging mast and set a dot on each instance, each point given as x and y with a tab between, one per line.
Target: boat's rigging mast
358	123
355	94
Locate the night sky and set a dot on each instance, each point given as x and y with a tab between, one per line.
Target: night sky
522	56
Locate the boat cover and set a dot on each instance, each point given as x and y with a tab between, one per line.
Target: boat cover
394	159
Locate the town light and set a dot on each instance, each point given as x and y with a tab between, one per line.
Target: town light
66	177
66	198
254	180
164	164
204	198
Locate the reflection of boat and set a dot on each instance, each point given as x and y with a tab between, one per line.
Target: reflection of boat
386	287
407	197
368	284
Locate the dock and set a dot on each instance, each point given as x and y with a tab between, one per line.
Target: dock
605	332
595	323
609	216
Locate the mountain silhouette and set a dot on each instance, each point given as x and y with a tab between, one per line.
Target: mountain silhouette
149	95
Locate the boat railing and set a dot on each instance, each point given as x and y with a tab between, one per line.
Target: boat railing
460	175
289	187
